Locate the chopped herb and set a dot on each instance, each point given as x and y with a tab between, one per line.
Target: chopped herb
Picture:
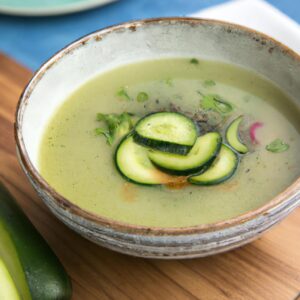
116	125
142	97
122	93
194	61
277	146
209	83
169	81
215	103
106	133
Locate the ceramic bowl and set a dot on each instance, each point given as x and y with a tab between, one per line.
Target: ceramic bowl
137	41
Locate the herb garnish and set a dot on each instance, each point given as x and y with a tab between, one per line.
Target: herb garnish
142	97
194	61
116	125
122	93
277	146
215	103
106	133
209	83
168	81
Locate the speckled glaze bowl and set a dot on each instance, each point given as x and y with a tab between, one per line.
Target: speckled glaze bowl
131	42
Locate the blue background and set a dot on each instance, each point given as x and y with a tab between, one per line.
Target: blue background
33	40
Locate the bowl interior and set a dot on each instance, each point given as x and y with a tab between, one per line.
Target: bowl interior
142	40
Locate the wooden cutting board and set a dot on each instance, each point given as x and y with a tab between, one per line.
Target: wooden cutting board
267	269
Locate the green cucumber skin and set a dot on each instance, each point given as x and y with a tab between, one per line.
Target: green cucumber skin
238	138
193	171
119	170
217	181
46	277
161	145
185	172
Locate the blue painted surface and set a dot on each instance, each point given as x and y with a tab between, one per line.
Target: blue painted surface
33	40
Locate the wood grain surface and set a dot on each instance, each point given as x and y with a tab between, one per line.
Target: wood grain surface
268	268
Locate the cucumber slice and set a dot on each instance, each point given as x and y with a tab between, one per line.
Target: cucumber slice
166	131
222	168
8	289
133	163
201	155
232	136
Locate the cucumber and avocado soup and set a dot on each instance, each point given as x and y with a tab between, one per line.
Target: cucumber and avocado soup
172	143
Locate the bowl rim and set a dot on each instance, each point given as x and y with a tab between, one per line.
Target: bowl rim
65	204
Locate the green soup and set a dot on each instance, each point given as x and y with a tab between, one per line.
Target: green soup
80	165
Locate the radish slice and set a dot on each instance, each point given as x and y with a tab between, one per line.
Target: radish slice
253	129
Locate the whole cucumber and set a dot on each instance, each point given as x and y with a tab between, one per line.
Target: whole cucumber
34	268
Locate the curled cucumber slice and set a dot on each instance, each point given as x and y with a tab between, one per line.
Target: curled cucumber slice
222	168
233	138
200	156
133	163
166	131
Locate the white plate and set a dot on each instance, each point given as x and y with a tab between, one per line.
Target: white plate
47	8
258	15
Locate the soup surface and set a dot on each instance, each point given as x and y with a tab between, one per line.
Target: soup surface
80	164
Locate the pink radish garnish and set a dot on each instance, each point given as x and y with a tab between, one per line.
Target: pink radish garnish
253	129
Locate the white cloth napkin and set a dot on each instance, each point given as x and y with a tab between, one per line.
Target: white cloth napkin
259	15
